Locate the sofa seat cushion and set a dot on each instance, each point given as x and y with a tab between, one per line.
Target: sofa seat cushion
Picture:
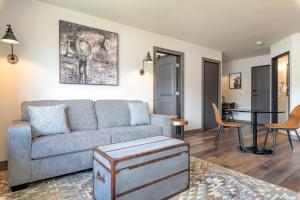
128	133
54	145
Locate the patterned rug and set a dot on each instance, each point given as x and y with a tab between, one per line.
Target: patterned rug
208	181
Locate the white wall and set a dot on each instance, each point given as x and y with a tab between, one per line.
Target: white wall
295	70
281	47
36	76
291	44
242	97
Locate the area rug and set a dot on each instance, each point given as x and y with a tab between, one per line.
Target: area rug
208	181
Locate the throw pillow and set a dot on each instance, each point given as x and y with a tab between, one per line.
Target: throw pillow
139	113
48	120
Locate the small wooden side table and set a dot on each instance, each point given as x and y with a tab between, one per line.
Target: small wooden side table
179	124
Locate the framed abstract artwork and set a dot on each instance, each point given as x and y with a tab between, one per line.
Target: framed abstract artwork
235	80
87	55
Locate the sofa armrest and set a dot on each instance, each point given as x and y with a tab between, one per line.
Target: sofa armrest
163	121
19	153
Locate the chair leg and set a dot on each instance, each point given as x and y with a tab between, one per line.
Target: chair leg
274	140
226	118
290	140
297	134
232	117
266	138
218	136
241	142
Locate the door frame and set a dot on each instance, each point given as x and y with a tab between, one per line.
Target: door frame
274	73
270	99
204	59
181	85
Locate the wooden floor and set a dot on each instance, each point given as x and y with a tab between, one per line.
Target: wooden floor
282	169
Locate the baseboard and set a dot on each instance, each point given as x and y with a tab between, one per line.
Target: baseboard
293	135
193	131
244	122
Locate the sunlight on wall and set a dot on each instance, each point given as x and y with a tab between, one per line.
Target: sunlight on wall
225	83
2	4
298	3
282	88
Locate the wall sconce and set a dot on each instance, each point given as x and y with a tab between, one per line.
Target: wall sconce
147	59
10	38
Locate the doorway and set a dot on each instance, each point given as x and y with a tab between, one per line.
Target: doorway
168	82
281	87
211	91
260	92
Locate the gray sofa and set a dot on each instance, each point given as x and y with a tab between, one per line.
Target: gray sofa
92	123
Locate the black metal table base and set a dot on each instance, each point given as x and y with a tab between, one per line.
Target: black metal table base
180	132
257	151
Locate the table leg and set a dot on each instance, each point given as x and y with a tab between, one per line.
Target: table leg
182	132
177	132
254	129
254	149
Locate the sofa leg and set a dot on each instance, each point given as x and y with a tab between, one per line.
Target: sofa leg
19	187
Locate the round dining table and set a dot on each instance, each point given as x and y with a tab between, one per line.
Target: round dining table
254	148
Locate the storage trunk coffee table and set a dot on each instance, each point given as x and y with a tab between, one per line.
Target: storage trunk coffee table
149	169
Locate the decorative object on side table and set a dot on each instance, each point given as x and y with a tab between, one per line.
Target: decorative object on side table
152	168
235	80
147	59
87	55
179	124
11	39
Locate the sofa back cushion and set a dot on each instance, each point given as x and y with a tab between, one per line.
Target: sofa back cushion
80	113
112	113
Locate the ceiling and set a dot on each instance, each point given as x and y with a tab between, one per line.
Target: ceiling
232	26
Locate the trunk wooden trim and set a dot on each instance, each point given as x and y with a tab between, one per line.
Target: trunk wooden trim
137	145
113	170
155	160
107	169
151	183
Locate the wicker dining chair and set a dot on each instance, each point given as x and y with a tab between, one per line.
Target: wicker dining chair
292	124
222	124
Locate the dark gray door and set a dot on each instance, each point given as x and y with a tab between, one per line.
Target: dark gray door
211	93
260	95
166	85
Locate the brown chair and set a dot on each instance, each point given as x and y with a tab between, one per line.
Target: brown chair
223	124
292	124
